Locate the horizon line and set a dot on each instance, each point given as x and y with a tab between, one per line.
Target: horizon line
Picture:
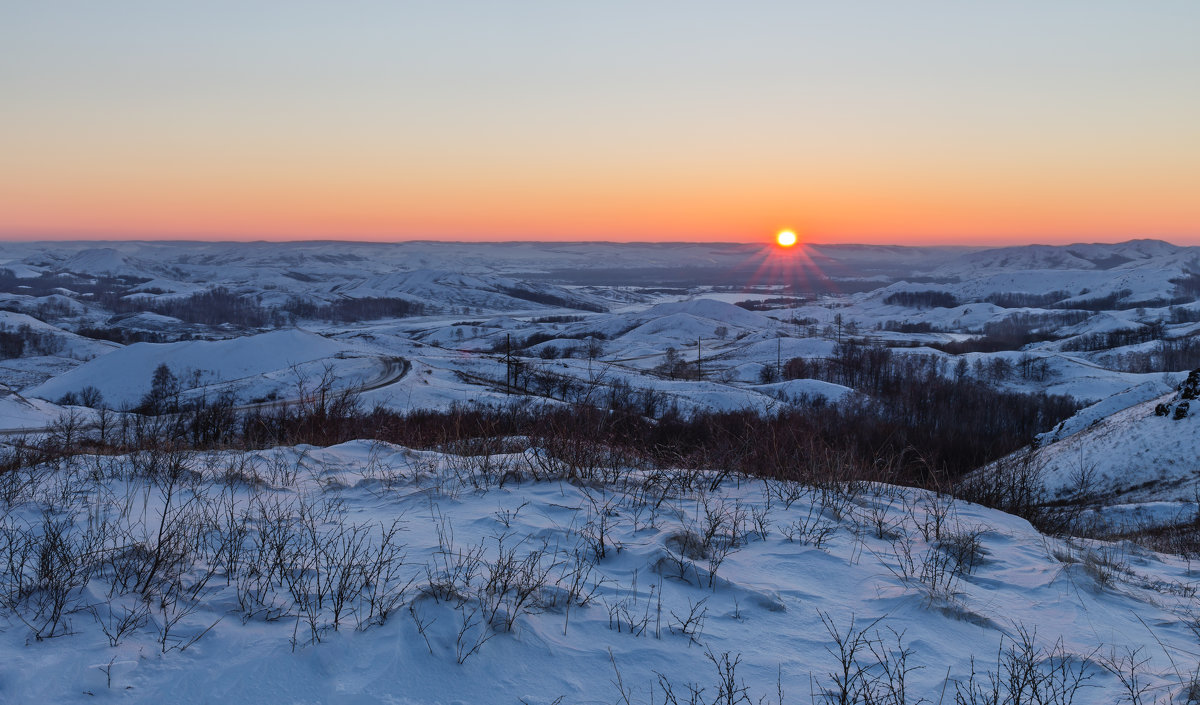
9	239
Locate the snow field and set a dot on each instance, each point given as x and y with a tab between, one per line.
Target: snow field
123	376
367	572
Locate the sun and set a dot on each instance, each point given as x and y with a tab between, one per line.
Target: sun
786	238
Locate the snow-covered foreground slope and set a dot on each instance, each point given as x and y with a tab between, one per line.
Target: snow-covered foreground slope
372	573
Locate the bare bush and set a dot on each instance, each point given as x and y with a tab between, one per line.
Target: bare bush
727	689
1026	673
119	621
965	549
632	612
46	568
690	623
602	518
814	529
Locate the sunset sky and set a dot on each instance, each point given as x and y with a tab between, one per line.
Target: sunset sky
910	122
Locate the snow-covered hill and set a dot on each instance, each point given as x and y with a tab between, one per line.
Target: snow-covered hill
488	296
1132	456
1080	256
457	289
1144	268
123	376
63	343
372	573
18	412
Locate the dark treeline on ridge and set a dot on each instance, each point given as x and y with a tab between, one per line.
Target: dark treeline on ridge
918	427
221	306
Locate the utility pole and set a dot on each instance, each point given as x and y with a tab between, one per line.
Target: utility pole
779	358
699	376
508	363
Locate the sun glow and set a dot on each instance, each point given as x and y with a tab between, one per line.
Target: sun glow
785	238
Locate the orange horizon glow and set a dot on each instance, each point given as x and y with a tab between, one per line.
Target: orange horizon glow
175	207
205	229
923	123
476	202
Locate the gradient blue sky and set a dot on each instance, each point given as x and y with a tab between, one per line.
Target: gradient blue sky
907	122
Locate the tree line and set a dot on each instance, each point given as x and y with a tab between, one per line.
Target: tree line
919	423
